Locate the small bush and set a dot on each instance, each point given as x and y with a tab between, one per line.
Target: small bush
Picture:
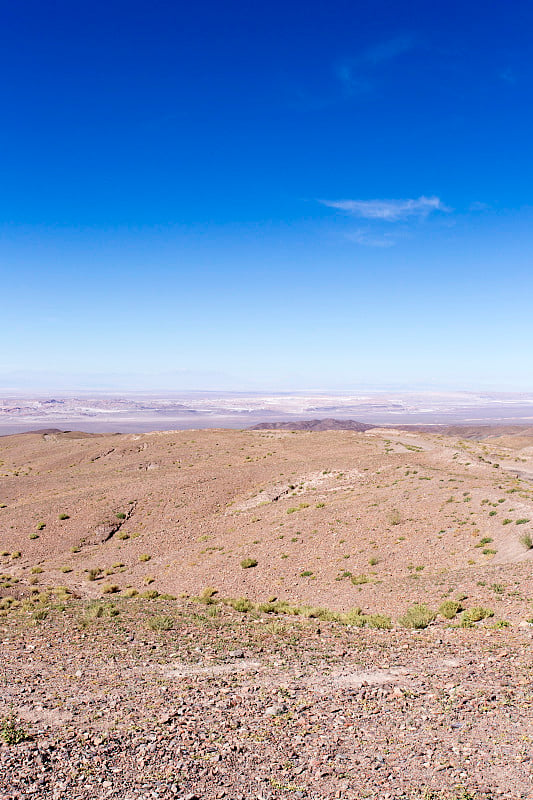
161	623
130	592
41	526
359	580
207	596
144	557
64	516
94	573
378	621
522	521
120	516
110	588
306	573
417	617
527	541
150	594
248	563
394	518
476	614
373	561
450	608
241	604
11	731
36	570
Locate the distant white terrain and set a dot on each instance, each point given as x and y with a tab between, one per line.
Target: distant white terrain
143	412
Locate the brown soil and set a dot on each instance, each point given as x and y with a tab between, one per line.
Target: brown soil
265	704
411	512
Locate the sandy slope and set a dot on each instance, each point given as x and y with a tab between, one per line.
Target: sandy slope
403	513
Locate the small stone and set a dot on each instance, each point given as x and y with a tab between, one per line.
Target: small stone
275	711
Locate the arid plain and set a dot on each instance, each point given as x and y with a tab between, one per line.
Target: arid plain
292	581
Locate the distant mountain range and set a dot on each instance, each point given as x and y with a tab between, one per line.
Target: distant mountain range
314	425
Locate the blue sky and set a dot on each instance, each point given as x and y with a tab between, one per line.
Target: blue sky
237	195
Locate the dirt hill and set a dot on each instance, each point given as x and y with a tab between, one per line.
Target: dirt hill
313	425
379	519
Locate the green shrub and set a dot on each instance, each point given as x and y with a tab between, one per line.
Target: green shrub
64	516
241	604
449	608
11	731
418	616
207	596
476	614
94	573
378	621
359	580
161	623
247	563
527	541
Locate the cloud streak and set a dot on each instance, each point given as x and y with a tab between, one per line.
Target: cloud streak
389	210
353	73
368	239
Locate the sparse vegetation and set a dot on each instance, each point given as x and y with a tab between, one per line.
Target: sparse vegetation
248	563
475	614
449	608
161	622
12	731
527	541
418	616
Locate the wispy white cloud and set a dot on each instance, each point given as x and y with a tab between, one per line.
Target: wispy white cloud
389	210
369	239
385	51
355	74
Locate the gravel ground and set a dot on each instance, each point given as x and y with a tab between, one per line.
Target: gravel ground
239	706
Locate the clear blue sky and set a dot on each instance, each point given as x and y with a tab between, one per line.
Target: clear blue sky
266	195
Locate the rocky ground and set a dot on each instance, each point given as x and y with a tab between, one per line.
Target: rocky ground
378	519
266	614
139	699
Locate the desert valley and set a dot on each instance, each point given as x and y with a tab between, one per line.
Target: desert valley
297	608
